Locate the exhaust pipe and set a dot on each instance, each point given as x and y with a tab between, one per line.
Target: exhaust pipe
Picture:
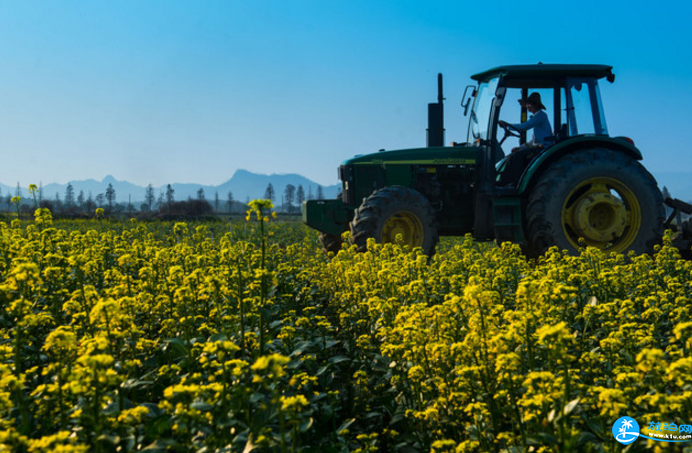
436	121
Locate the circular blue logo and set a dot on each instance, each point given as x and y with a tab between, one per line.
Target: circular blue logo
626	430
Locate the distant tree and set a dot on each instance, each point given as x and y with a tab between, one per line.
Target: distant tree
149	196
300	195
130	206
170	195
110	195
69	196
665	193
100	200
216	201
161	204
200	194
90	205
80	199
48	204
18	192
230	202
289	196
269	193
57	204
310	195
320	193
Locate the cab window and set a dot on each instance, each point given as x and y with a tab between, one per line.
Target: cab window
584	108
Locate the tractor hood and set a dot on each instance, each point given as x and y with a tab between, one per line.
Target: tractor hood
443	155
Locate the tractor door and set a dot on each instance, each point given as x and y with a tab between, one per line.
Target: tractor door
482	135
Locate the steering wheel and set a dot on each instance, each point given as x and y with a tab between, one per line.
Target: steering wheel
509	132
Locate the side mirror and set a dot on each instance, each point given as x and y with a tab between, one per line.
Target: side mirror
466	99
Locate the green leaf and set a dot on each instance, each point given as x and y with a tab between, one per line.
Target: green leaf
345	425
570	406
108	439
586	438
338	359
175	347
202	406
162	445
249	446
134	383
541	439
306	425
218	337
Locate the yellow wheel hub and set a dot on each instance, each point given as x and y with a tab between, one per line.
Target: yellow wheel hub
407	225
604	212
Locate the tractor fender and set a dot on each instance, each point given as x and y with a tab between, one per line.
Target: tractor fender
572	145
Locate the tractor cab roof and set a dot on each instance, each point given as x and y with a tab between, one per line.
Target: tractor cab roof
522	75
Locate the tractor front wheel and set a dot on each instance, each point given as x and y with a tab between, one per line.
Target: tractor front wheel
394	211
601	197
330	243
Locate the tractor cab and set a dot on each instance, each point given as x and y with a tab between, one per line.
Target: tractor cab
572	103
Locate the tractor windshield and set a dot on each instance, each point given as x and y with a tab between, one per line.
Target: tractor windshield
480	114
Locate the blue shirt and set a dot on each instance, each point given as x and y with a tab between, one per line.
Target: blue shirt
540	125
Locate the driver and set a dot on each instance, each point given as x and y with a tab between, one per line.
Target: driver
515	162
538	122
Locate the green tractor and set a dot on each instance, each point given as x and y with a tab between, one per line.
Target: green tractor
581	185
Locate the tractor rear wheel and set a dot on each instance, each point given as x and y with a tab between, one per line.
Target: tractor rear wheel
603	197
392	211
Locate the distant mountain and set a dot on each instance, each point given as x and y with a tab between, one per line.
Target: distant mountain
244	186
254	185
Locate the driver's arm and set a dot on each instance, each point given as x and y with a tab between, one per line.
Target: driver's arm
526	125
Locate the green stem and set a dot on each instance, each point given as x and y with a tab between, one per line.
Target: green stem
282	428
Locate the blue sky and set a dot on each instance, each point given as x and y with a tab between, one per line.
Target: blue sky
162	91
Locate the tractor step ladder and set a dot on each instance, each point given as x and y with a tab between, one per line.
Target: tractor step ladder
507	219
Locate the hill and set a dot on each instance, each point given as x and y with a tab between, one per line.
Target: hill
244	186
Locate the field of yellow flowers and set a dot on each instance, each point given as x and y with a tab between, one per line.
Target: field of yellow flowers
218	337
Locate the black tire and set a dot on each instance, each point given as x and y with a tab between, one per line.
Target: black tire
605	197
330	243
396	210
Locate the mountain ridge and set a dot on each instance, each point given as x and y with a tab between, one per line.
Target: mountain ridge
244	185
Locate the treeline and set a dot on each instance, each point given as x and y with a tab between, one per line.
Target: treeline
85	205
163	204
292	194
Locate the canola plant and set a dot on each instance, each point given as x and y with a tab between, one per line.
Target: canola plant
203	337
